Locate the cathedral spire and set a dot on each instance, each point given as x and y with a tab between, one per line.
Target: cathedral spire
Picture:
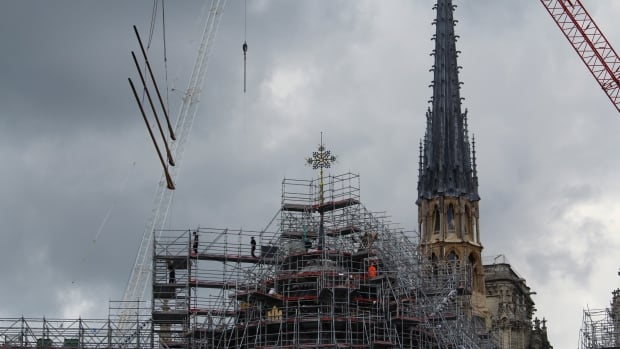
448	210
447	168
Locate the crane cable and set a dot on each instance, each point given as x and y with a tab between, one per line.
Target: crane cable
245	42
123	184
152	26
245	51
150	39
165	47
141	274
163	26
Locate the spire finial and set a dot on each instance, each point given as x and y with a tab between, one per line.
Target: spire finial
445	82
321	159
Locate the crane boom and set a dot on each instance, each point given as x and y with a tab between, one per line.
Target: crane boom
141	273
589	42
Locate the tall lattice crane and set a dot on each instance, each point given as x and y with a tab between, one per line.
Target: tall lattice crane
140	276
589	42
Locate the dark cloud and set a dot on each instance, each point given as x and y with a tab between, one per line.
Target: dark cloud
80	173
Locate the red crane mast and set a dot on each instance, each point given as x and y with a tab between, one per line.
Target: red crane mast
589	42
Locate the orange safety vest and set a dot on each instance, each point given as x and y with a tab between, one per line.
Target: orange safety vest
372	271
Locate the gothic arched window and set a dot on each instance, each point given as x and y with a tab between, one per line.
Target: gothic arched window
437	221
474	270
467	220
450	217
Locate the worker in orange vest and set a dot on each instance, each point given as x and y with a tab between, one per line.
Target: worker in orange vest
372	270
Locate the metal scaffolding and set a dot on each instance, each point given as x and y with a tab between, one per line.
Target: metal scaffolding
325	273
42	333
601	327
310	282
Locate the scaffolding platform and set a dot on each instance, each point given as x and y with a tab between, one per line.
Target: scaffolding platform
320	208
232	258
176	262
213	284
166	291
170	316
310	286
601	327
80	333
343	231
299	234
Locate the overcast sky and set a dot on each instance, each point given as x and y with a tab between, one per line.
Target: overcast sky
80	172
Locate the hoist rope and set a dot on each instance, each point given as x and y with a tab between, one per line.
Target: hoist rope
163	25
152	25
245	34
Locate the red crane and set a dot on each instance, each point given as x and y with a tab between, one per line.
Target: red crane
589	42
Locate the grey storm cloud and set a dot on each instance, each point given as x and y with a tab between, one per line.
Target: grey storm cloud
79	172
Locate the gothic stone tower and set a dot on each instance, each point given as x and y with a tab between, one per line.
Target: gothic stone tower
448	183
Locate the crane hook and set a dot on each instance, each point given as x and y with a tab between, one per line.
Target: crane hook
245	51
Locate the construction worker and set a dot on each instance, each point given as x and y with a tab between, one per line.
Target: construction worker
372	270
195	245
307	242
171	273
253	246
